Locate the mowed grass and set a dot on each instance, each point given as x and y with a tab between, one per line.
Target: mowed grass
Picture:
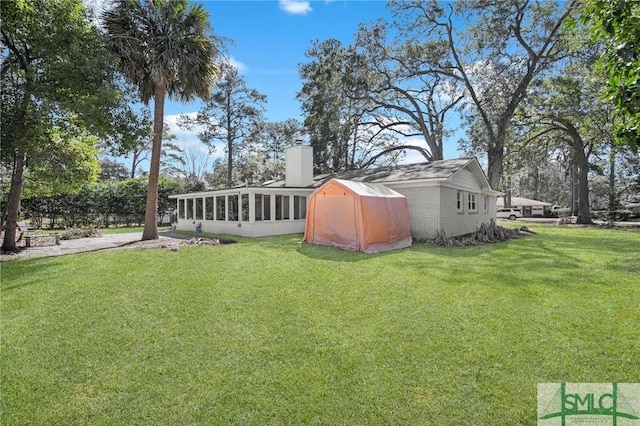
273	331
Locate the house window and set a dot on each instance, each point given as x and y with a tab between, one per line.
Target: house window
208	208
258	206
180	209
486	203
233	208
286	210
266	203
245	207
263	207
459	202
282	207
199	209
299	207
220	207
190	209
472	201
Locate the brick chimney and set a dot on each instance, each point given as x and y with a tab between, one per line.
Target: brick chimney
299	166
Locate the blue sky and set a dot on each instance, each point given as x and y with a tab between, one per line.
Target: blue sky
269	39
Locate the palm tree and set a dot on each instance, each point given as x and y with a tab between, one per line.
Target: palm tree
165	47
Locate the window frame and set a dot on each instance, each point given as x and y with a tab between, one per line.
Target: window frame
472	202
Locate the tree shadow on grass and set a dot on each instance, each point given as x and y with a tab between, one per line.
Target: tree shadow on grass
25	272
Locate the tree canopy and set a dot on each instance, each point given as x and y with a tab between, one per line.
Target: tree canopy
232	115
617	24
53	91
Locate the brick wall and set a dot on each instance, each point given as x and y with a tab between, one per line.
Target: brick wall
424	210
434	208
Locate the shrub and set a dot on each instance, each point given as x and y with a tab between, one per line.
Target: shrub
75	233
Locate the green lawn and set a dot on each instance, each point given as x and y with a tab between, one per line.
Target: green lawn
272	331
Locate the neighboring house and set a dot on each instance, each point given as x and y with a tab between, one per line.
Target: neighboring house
527	206
453	196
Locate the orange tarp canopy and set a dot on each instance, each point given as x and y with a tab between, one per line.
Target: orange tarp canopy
357	216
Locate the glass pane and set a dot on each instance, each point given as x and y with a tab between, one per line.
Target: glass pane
258	207
220	207
208	203
233	208
285	207
181	209
303	207
266	202
278	207
245	207
296	207
190	209
199	209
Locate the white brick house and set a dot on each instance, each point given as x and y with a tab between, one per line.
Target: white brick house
453	196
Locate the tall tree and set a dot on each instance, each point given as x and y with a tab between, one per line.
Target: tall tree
503	47
56	83
343	133
566	109
165	48
275	138
112	170
406	98
231	115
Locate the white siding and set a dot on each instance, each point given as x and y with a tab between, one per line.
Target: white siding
464	178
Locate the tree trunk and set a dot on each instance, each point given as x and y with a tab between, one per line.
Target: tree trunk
134	165
584	212
151	211
229	161
13	202
496	158
613	199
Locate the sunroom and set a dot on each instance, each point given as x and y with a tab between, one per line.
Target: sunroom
247	211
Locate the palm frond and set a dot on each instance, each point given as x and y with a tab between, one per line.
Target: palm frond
163	42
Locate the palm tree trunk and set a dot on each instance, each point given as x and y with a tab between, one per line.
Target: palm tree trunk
13	202
151	212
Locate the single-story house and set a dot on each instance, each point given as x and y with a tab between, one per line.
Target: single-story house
453	196
527	206
359	216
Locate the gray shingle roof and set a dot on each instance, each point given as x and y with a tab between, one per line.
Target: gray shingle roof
440	169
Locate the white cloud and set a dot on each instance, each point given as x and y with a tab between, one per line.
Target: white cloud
188	139
240	66
295	7
412	156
